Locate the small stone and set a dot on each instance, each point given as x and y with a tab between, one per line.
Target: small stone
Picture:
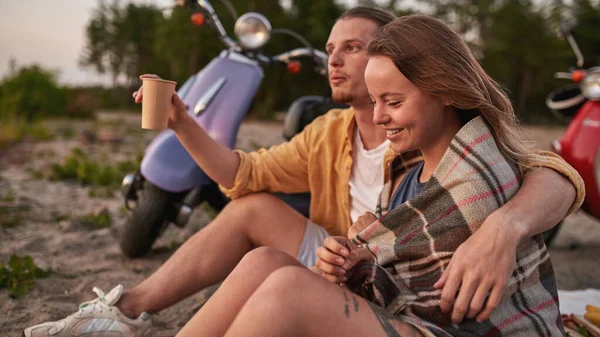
64	225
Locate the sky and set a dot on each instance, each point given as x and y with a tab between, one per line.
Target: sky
51	33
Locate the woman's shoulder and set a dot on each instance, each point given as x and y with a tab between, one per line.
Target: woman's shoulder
473	157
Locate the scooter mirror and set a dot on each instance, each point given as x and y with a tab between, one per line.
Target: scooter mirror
566	27
186	3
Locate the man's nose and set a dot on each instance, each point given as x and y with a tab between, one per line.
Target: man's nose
335	59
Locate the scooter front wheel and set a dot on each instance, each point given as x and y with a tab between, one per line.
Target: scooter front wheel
153	212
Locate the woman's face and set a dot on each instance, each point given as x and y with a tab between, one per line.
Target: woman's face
412	118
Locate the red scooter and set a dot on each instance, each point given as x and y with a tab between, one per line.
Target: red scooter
580	144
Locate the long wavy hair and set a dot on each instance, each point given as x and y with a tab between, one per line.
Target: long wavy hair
434	57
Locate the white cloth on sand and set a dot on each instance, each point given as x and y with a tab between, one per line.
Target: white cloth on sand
574	301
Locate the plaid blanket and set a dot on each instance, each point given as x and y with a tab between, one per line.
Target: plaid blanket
414	242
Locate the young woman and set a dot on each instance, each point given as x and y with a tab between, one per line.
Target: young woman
430	94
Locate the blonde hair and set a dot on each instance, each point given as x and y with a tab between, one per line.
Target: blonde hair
432	56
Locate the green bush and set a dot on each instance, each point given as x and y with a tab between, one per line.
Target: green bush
81	103
9	196
31	93
9	219
66	132
37	132
13	215
80	167
9	135
34	174
15	131
19	273
96	220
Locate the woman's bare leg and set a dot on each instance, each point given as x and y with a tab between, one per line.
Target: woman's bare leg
215	317
297	302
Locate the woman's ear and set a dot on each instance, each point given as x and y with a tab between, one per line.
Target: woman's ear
448	102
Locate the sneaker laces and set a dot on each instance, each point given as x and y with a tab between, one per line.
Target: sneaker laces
90	307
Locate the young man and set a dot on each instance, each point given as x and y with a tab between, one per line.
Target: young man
342	159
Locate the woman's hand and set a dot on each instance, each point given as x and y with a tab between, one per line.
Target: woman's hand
337	256
177	111
361	223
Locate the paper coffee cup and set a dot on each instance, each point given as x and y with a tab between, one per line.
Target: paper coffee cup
156	101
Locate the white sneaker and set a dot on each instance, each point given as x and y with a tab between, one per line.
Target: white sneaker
98	318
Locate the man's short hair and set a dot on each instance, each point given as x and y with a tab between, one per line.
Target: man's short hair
380	17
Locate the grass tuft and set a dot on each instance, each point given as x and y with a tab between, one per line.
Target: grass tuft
18	275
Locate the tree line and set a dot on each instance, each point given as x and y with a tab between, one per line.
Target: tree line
516	41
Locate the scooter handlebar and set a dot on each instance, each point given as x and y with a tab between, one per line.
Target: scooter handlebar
205	4
212	16
319	57
562	74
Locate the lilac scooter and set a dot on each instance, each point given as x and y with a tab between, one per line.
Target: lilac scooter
169	184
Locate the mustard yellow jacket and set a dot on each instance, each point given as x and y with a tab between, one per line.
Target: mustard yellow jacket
319	160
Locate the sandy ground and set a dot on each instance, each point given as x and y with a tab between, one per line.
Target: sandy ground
81	258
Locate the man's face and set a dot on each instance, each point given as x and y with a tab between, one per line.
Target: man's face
346	48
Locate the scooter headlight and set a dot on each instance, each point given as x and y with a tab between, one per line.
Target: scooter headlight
590	85
253	30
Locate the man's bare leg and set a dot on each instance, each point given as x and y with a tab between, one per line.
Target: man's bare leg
211	254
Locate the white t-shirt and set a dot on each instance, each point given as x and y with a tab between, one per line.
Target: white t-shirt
366	178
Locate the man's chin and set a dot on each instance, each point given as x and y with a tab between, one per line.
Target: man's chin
342	97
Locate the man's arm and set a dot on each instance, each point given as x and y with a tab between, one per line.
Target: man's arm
217	161
282	167
542	202
483	264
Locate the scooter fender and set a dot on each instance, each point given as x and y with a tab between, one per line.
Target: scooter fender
169	166
580	147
